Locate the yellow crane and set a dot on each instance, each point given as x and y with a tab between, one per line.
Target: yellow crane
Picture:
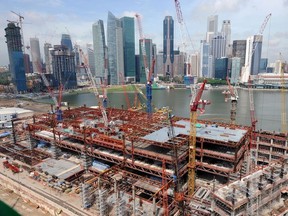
194	103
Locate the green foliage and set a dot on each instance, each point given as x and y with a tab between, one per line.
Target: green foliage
213	81
5	78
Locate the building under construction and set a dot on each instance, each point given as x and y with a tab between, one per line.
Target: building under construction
140	160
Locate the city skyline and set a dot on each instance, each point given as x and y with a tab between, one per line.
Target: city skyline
43	20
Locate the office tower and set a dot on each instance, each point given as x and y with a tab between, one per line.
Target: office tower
64	71
263	65
148	49
66	41
48	57
179	67
204	59
195	64
252	57
35	54
158	70
77	55
99	49
221	68
239	50
226	31
212	27
27	64
218	46
235	70
91	58
154	51
168	46
16	58
127	24
137	64
115	48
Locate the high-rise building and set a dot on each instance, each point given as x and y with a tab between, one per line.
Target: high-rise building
64	71
27	65
252	57
48	57
148	47
212	27
35	54
218	46
99	49
235	70
226	31
263	65
239	50
115	48
158	70
128	27
66	41
168	46
16	58
204	59
195	61
221	68
91	58
179	67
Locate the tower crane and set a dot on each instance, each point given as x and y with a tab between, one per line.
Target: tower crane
251	97
194	106
184	36
148	72
232	95
94	88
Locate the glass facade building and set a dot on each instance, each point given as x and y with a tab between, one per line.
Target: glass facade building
221	68
235	70
128	26
16	58
66	41
64	70
115	49
35	55
168	46
99	49
148	47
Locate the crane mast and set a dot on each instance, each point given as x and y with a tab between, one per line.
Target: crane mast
194	103
94	88
184	36
251	97
148	72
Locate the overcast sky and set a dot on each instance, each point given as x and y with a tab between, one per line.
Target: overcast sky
48	19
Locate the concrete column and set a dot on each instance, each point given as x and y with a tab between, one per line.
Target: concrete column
154	206
134	201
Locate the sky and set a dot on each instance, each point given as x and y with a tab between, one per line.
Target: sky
48	19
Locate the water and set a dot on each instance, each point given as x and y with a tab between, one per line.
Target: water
267	105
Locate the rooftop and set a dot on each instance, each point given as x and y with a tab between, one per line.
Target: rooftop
206	131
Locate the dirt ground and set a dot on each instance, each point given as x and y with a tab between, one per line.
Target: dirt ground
31	105
22	206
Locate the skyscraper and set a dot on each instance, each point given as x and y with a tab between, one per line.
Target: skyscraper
204	59
239	50
195	64
128	27
252	57
235	70
48	57
66	41
16	58
218	46
148	48
91	58
115	48
168	46
64	71
35	54
212	27
99	49
226	31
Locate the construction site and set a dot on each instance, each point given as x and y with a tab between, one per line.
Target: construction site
109	161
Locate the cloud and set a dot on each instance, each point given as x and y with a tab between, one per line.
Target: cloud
285	3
